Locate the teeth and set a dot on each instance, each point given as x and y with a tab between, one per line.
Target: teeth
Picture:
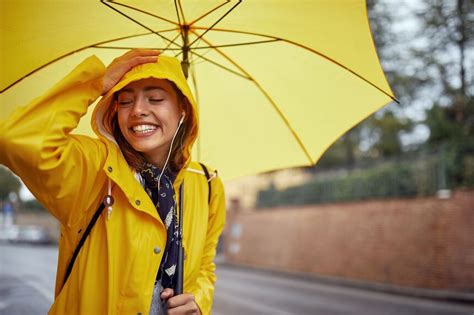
143	128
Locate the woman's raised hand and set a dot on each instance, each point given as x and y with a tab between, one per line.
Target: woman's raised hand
124	63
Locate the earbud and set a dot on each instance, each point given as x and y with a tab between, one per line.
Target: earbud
183	115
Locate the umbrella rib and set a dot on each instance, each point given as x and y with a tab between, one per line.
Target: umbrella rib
137	22
313	51
181	10
196	95
145	12
238	44
169	44
343	67
179	19
215	23
193	79
209	12
221	66
68	54
272	102
130	47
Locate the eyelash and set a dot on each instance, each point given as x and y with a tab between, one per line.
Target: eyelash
152	100
124	103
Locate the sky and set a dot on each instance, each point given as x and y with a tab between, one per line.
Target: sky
25	194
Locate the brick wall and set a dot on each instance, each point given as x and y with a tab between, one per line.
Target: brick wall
422	242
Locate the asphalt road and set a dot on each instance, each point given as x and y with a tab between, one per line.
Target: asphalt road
27	287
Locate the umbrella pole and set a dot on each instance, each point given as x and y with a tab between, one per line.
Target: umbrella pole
180	266
185	62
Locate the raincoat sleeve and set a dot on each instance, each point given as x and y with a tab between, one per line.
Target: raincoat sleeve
36	144
204	285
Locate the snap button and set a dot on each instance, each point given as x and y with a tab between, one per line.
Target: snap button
137	202
110	169
157	250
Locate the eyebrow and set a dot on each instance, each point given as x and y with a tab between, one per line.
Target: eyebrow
146	89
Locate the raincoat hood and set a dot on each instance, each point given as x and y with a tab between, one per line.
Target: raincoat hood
166	67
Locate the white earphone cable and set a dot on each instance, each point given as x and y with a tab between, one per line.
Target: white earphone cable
169	152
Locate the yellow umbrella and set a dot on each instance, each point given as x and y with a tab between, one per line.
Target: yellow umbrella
277	81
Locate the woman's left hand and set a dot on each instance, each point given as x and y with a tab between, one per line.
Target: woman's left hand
180	304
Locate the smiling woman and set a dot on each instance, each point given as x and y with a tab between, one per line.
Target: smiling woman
126	262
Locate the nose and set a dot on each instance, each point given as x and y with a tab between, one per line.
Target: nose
140	108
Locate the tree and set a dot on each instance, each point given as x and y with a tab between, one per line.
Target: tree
448	54
343	152
449	28
33	205
387	129
8	183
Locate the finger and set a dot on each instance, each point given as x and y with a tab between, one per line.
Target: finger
144	52
179	300
123	66
142	59
167	293
189	309
119	67
134	53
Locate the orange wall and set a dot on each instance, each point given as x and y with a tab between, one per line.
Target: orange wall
422	242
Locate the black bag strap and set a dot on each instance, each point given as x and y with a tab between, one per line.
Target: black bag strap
96	216
208	177
83	239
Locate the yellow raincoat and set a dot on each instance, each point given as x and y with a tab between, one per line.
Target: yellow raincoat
69	174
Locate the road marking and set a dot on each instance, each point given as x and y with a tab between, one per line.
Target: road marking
3	305
40	289
258	307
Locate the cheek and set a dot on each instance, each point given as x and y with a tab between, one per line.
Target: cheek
175	114
122	121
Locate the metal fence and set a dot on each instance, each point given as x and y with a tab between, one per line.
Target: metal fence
420	173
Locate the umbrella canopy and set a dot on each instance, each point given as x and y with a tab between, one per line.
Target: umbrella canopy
277	82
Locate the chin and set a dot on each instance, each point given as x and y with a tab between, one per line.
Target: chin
142	149
149	150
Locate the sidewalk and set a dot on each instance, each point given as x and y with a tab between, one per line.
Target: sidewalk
446	295
19	298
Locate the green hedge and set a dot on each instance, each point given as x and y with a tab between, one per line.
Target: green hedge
380	182
422	174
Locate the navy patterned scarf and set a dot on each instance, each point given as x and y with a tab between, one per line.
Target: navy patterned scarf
165	203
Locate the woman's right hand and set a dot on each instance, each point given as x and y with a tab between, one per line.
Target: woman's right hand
180	304
124	63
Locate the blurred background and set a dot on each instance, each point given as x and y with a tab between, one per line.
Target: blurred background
382	224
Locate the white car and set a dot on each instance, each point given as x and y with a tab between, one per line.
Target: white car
30	234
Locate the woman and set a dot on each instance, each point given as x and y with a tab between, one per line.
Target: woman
146	123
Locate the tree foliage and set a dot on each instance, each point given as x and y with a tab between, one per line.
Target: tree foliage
448	30
8	183
448	54
33	206
387	129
